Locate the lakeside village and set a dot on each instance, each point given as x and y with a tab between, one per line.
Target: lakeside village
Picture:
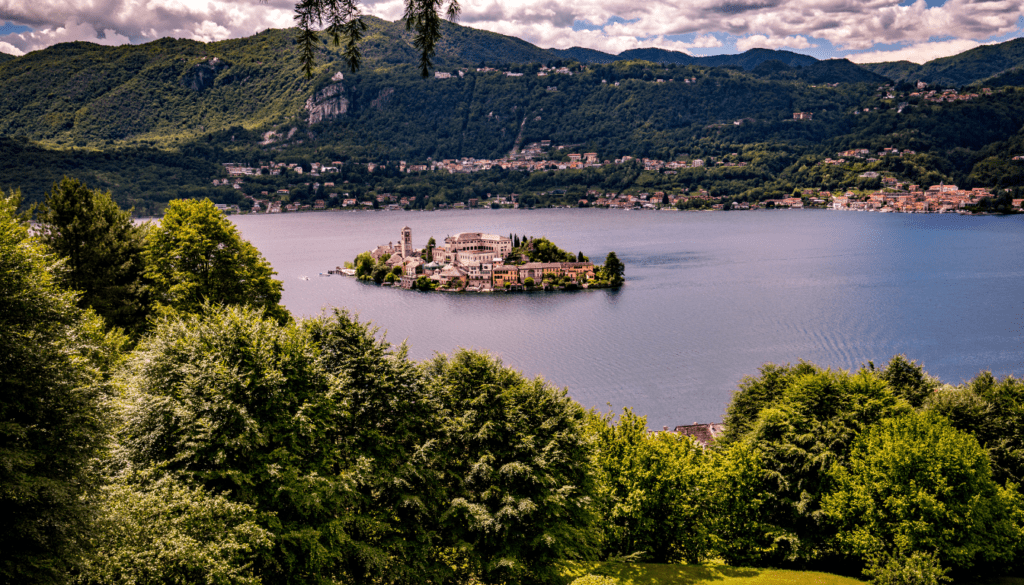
478	262
894	195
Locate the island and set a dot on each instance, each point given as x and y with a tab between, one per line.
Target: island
479	262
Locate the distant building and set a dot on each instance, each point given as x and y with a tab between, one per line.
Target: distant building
803	115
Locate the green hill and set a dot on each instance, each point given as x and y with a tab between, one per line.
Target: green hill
152	121
983	64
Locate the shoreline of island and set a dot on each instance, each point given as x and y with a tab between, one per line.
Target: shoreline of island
479	262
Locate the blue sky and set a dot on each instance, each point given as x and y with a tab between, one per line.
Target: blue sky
860	30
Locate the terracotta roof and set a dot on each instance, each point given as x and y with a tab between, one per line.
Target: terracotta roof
702	433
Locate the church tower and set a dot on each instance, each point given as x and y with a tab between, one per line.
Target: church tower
405	247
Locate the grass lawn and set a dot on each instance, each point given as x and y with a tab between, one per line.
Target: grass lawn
708	573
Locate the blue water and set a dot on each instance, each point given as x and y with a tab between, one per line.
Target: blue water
709	296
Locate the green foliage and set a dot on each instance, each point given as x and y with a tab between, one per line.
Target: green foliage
993	411
364	265
543	250
196	256
424	283
613	270
319	427
655	492
915	568
594	580
103	249
165	531
909	380
807	429
745	529
52	413
756	394
517	460
915	483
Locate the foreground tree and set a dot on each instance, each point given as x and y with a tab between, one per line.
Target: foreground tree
993	411
52	419
103	249
655	493
809	427
318	427
517	467
164	531
915	483
196	256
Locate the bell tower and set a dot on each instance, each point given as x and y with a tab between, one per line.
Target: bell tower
406	242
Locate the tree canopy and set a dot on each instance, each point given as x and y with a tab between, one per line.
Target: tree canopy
103	251
196	256
53	421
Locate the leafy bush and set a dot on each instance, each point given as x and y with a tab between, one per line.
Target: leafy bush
915	568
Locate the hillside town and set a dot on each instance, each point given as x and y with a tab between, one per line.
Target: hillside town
892	194
470	262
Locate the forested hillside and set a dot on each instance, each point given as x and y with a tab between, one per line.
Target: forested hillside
151	122
983	64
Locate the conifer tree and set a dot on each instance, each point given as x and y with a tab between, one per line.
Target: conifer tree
103	251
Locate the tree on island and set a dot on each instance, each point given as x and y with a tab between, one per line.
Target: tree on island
428	252
614	270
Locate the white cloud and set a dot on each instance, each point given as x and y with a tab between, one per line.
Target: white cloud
856	25
10	49
919	53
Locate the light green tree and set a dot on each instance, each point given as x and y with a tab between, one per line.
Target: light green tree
915	483
165	531
654	492
196	256
53	357
993	412
103	249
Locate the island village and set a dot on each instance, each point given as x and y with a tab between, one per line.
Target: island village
476	262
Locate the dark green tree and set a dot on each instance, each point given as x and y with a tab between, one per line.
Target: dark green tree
321	428
196	256
428	252
614	270
103	248
810	427
581	258
993	411
52	418
518	470
909	380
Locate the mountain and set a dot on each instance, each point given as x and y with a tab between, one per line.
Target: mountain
581	55
827	71
4	57
976	66
746	60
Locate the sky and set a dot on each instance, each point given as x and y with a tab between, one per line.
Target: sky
862	31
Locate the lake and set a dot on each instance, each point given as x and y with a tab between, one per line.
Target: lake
710	296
